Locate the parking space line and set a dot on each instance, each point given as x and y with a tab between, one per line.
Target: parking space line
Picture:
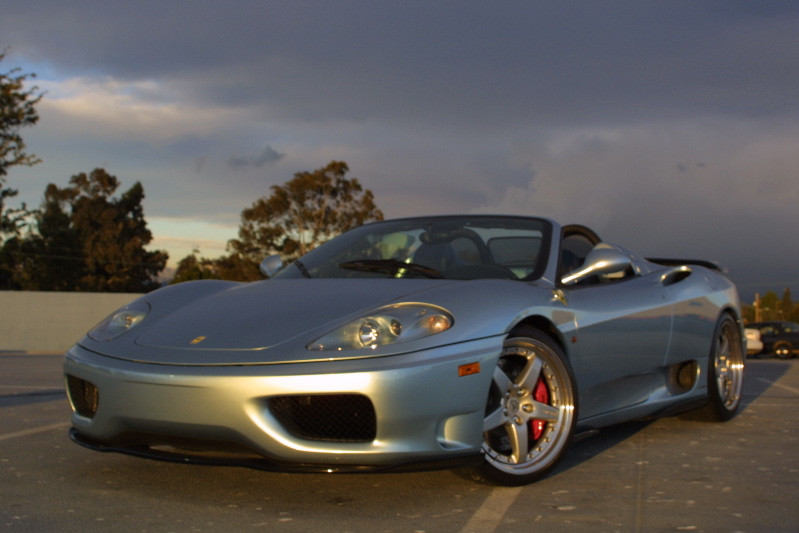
27	387
489	516
775	384
33	431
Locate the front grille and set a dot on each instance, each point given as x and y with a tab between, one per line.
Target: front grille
326	417
83	396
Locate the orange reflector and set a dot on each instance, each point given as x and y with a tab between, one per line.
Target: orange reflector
471	368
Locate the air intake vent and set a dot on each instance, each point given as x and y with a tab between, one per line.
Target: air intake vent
83	396
327	417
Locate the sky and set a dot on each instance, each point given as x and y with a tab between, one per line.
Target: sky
670	127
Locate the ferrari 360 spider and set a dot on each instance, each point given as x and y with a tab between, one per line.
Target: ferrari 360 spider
481	341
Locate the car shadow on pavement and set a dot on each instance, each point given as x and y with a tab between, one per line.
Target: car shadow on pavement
590	445
28	398
759	378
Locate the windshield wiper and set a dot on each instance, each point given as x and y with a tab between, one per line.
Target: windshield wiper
302	269
392	267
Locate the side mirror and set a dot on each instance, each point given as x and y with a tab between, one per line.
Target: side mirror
270	265
603	259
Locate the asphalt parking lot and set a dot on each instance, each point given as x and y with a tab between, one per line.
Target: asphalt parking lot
664	475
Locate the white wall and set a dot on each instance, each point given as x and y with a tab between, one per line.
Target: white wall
52	321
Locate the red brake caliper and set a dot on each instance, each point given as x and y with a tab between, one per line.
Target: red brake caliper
540	394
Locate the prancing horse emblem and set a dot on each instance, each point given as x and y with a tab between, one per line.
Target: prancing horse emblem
198	340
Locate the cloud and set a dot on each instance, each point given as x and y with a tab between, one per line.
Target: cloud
732	206
664	125
139	111
613	174
180	236
267	156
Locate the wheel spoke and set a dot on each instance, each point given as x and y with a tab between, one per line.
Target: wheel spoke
542	411
519	441
494	419
724	346
501	380
529	375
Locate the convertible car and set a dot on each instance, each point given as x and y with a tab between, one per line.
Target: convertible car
481	341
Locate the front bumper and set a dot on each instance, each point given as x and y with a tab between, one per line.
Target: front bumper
416	407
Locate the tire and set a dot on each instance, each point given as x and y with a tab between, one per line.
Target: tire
725	373
531	410
783	350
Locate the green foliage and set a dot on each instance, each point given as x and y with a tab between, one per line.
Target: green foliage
786	304
86	239
17	111
193	268
231	267
770	307
303	213
12	221
234	267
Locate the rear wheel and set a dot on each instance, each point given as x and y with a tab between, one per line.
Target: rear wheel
725	373
783	350
530	412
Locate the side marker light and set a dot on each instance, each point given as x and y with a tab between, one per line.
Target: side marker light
468	369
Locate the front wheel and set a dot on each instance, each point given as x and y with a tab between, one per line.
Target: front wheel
531	410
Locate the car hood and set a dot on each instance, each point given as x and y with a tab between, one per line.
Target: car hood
256	323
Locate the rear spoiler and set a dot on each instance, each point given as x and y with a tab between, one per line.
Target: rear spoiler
680	262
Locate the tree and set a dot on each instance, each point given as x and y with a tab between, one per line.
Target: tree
231	267
235	267
17	111
87	239
303	213
192	268
49	259
786	305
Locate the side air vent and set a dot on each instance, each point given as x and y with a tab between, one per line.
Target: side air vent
675	275
683	376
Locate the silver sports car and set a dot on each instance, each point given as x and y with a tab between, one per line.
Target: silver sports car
488	341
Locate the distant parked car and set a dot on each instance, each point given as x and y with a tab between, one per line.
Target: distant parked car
753	343
779	338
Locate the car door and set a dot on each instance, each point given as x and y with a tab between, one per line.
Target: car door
695	315
621	340
622	329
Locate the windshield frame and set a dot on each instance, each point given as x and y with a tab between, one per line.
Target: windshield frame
326	260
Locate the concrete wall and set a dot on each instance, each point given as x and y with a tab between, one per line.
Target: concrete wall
52	321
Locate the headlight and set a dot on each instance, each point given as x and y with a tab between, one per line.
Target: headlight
388	325
120	321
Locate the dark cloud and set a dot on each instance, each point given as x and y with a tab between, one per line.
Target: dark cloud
662	123
267	156
461	63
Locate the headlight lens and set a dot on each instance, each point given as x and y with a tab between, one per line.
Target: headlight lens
388	325
120	321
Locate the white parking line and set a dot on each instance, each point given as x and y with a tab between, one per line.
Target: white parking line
33	431
28	387
489	516
775	384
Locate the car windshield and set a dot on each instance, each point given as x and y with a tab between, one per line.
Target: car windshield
454	247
